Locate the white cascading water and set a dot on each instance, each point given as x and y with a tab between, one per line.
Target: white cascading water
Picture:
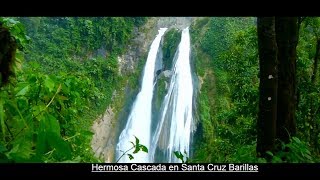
139	121
174	127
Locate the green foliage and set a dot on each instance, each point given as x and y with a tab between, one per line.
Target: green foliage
79	38
227	65
308	110
296	151
198	28
312	25
171	41
46	112
183	158
245	154
137	148
17	30
43	115
215	39
139	21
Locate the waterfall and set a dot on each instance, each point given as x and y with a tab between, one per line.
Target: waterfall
139	121
174	127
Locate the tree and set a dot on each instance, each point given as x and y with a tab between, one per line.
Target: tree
287	38
268	85
7	54
277	41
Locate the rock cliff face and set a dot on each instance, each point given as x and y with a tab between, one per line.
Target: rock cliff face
143	38
104	136
106	128
139	46
175	22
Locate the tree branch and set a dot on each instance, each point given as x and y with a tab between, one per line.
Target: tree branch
58	90
124	154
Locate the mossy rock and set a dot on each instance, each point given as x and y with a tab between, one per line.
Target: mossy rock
170	45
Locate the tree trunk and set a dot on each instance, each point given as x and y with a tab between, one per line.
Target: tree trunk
8	48
286	36
268	85
316	63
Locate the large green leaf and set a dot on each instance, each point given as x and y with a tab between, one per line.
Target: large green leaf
52	124
179	155
86	133
136	146
144	148
137	140
41	137
48	82
63	149
23	91
47	124
49	138
136	150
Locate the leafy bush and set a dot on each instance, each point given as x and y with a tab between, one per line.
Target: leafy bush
64	84
296	151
